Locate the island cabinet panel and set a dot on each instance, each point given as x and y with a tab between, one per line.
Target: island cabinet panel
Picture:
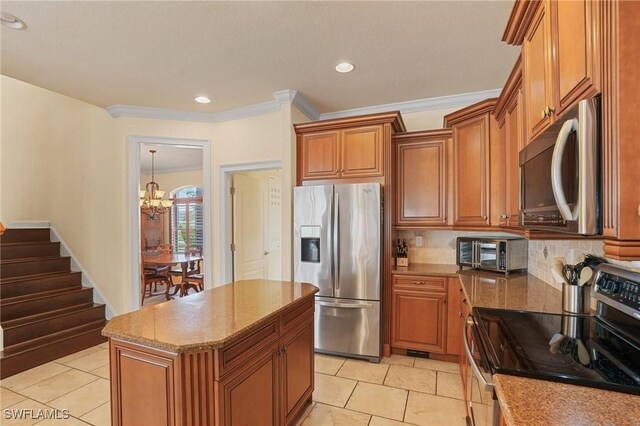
319	155
145	377
249	396
297	369
421	178
454	314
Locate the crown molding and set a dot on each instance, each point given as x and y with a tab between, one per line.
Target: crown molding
451	101
296	98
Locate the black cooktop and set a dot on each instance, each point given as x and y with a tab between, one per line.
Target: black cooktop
578	350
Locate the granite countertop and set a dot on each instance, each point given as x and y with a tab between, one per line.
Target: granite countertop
432	269
208	319
517	291
525	401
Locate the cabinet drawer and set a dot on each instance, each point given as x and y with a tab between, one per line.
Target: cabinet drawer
238	353
296	315
417	283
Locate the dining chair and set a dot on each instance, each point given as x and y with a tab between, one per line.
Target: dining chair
151	280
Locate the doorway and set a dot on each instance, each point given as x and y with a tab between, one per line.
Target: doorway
182	168
256	210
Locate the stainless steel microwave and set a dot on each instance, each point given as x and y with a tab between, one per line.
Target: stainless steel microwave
560	174
500	254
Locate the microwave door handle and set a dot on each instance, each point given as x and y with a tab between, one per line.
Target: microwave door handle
556	169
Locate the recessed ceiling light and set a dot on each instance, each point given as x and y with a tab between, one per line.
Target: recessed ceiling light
202	100
344	67
13	22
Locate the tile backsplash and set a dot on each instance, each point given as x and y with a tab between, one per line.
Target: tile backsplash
440	247
542	254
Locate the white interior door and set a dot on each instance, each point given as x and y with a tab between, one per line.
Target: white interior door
251	225
274	259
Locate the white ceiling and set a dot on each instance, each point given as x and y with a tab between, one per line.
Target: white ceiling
169	159
163	54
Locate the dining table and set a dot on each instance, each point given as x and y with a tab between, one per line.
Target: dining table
172	259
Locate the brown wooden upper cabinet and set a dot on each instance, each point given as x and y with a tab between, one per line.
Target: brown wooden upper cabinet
472	131
510	119
421	178
560	56
345	148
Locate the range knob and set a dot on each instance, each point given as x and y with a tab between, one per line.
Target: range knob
613	286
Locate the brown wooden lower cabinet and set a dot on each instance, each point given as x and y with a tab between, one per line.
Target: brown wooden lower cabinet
264	377
425	314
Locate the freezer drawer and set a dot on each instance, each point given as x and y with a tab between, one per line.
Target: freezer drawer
350	327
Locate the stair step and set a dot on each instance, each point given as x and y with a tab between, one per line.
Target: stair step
39	303
14	235
20	286
29	249
35	326
21	267
36	352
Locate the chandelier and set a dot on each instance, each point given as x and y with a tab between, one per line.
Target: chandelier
151	202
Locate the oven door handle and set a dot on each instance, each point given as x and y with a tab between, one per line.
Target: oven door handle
556	169
472	362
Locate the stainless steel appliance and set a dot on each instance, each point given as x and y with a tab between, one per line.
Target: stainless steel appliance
500	254
560	174
600	351
337	247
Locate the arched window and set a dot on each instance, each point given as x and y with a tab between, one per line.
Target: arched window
186	222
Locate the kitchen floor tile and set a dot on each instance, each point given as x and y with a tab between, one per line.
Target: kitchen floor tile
379	400
84	399
411	378
432	410
31	377
9	398
76	355
71	421
394	359
17	414
326	415
100	416
364	371
103	371
104	345
379	421
332	390
58	385
304	415
449	385
327	364
90	361
433	364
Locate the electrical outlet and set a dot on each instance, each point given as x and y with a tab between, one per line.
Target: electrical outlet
418	241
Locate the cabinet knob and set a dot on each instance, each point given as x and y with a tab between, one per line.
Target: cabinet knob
551	110
460	314
504	216
543	114
484	217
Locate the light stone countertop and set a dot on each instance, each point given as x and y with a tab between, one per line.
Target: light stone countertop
208	319
525	402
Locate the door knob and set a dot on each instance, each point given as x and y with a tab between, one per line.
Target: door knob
266	253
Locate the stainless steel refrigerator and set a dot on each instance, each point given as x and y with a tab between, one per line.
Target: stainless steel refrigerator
337	247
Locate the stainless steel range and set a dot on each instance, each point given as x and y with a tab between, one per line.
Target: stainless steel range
600	351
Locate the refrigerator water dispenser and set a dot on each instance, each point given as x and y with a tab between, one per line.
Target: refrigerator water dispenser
310	244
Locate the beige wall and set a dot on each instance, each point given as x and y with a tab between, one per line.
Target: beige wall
66	161
426	120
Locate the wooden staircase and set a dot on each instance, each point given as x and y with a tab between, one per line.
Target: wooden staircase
45	311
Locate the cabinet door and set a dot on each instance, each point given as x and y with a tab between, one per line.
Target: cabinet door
536	55
471	157
454	314
422	183
419	320
361	152
319	155
574	65
249	396
297	369
514	137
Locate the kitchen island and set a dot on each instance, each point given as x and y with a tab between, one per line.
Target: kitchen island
237	354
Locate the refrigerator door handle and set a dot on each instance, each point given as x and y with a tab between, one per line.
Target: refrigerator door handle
346	305
336	241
